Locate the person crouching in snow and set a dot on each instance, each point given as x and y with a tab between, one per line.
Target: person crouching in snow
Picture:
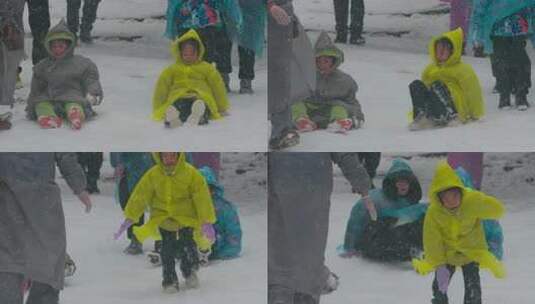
180	205
449	89
228	232
454	235
333	105
64	85
191	90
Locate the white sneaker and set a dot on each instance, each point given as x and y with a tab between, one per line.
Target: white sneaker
192	281
421	124
197	111
172	117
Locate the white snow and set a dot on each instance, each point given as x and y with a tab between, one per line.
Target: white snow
383	69
129	71
362	281
106	275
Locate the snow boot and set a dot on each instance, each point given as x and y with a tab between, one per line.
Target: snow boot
521	102
154	258
304	124
357	39
505	102
246	86
172	117
204	257
85	37
49	122
170	285
341	35
70	266
197	111
340	126
135	247
288	138
75	117
192	281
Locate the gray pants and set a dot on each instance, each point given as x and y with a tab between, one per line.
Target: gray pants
9	63
89	15
281	295
10	291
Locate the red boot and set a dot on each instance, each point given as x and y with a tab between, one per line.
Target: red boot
340	126
75	118
49	122
304	124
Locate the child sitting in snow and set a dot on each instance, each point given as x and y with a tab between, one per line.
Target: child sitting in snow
454	235
227	228
333	105
191	90
180	205
449	89
64	85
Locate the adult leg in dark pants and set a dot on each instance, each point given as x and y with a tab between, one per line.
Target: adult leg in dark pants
10	291
357	22
168	254
472	285
88	19
189	257
246	74
370	161
341	12
39	20
42	294
91	163
135	246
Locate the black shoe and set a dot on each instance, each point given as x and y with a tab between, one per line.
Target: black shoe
93	189
85	37
288	138
505	101
170	285
341	37
521	102
246	86
357	40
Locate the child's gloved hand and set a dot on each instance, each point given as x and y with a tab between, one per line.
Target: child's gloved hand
204	257
208	231
124	225
94	100
443	278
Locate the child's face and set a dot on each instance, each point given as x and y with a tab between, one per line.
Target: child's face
58	48
325	64
189	54
442	52
402	186
451	198
169	159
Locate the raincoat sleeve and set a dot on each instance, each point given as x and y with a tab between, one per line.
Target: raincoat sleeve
472	94
72	172
485	206
355	226
92	80
353	171
218	89
202	199
141	196
163	86
434	249
229	246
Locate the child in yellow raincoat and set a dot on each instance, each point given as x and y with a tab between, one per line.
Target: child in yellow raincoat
191	90
449	89
179	203
454	236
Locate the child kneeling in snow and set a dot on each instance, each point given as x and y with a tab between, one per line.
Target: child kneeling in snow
454	235
449	89
191	90
180	205
333	105
64	85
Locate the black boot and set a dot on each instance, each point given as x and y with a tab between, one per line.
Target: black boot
341	35
357	39
246	86
505	101
521	102
85	37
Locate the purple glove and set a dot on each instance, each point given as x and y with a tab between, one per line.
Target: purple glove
209	232
443	278
125	225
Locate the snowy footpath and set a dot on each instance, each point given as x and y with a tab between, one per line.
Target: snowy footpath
131	52
509	177
106	275
395	54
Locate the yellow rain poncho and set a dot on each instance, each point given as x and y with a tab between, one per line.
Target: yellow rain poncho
200	79
176	198
456	237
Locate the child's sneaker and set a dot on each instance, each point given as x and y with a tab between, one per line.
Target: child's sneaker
172	117
340	126
154	258
170	285
192	281
197	111
75	118
304	124
49	122
246	86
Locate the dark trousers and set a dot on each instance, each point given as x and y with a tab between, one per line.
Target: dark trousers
89	15
511	65
434	103
10	291
124	195
381	241
184	248
370	161
282	295
246	58
215	45
184	107
91	162
39	20
341	14
472	285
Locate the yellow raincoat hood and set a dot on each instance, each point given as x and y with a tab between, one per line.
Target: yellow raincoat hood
459	77
200	80
456	237
175	199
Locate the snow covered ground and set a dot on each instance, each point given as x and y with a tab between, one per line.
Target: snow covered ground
129	70
383	69
106	275
507	176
